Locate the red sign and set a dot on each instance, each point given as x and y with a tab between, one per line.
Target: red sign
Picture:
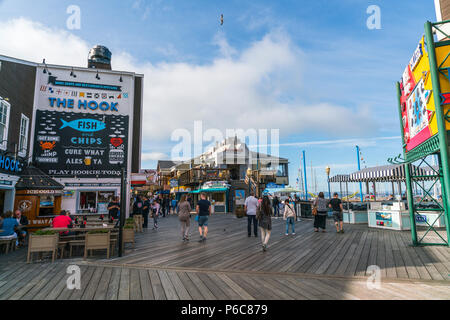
116	142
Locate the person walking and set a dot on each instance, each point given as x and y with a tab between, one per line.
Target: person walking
276	207
166	205
251	204
155	213
320	219
336	206
146	212
138	206
264	217
184	215
174	205
289	215
203	211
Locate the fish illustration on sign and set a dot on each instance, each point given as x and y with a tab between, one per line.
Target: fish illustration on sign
84	125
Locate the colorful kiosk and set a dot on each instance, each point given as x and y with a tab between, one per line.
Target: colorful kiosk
217	193
386	214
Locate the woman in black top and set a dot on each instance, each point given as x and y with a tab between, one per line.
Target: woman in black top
264	217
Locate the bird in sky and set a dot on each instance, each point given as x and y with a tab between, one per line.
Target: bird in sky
221	19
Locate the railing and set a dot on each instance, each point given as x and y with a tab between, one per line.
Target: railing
196	176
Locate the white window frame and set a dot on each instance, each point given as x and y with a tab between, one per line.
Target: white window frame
4	144
23	153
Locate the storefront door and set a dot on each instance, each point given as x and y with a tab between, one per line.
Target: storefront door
2	200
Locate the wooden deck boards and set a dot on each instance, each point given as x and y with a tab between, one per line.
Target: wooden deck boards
232	266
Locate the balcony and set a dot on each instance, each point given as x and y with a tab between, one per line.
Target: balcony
199	176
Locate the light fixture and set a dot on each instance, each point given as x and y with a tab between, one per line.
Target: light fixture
97	76
72	74
120	80
45	68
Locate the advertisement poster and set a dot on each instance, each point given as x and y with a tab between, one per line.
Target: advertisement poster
82	145
240	197
82	124
384	219
417	99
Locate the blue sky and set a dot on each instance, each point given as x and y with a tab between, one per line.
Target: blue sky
309	68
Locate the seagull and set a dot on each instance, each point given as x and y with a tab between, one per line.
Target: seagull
221	19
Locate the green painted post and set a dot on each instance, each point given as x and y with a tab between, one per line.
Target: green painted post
440	118
407	173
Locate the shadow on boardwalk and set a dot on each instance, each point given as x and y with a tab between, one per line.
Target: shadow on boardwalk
230	265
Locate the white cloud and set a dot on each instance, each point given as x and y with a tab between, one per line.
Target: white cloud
238	89
153	156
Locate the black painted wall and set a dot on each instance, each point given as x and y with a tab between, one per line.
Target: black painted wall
17	82
137	127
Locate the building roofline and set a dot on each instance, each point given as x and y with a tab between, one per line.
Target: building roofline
75	68
16	60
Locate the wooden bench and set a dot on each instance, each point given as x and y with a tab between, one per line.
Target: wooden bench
9	242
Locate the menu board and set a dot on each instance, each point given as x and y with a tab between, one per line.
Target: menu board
69	144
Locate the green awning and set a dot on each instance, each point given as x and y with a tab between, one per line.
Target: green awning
210	190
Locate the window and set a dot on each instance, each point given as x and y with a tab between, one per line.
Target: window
94	201
218	197
23	138
46	205
4	121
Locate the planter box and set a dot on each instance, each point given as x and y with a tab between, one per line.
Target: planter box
128	236
97	241
43	244
240	212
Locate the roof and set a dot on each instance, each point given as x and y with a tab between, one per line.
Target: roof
32	178
391	173
210	190
167	164
75	68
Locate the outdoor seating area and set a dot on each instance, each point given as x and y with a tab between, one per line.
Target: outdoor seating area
88	238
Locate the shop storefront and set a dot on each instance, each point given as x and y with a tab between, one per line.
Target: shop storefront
84	133
179	191
217	192
89	198
10	169
38	196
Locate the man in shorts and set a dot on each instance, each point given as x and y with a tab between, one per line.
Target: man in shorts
203	211
336	205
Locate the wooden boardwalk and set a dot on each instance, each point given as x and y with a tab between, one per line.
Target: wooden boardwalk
231	266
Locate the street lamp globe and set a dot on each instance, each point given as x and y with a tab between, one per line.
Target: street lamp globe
327	170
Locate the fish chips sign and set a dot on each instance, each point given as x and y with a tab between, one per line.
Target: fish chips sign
417	99
82	128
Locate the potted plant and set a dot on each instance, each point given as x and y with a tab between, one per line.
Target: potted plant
96	240
43	241
240	211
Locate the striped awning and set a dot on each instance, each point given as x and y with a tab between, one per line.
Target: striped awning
390	173
340	178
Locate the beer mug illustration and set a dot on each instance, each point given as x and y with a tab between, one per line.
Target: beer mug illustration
88	161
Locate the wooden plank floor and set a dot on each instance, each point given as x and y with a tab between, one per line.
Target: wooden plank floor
48	282
231	266
229	248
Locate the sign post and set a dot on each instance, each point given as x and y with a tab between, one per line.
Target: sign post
123	204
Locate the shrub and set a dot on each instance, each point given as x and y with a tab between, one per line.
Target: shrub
98	231
44	233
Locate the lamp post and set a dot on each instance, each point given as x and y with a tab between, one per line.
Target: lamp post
327	170
123	195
